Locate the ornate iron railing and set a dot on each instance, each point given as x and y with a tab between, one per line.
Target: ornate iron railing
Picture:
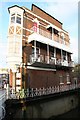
31	92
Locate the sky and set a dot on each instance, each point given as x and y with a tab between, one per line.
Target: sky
66	11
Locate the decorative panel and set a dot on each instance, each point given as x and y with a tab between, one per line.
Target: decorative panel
11	30
18	30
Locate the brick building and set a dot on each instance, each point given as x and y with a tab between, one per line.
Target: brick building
39	53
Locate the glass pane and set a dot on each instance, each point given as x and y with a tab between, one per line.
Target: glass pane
18	20
13	19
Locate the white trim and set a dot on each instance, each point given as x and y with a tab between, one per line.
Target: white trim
37	68
61	83
68	82
45	40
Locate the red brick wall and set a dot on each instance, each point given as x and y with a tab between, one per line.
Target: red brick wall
40	78
42	14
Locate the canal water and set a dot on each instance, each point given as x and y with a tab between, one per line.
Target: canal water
72	115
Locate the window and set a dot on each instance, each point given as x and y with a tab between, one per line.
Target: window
13	18
55	31
18	19
61	79
64	55
37	50
52	51
68	79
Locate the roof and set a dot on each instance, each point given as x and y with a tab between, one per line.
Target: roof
45	13
15	6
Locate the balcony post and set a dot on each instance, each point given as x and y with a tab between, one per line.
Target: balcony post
48	53
55	54
66	56
61	57
35	49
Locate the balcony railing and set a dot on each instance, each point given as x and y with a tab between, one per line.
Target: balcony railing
50	60
37	58
65	63
51	36
42	58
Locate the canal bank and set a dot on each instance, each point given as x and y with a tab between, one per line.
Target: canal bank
42	106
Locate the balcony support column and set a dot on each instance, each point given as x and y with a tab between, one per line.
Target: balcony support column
61	56
66	57
48	53
55	54
35	49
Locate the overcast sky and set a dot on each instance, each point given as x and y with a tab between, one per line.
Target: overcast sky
66	11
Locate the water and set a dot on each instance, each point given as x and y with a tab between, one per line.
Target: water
73	114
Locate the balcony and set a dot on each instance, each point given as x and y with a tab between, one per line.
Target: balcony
49	60
65	63
42	59
46	37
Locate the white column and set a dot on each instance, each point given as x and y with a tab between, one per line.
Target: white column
48	53
52	33
55	54
35	49
61	56
66	56
7	91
